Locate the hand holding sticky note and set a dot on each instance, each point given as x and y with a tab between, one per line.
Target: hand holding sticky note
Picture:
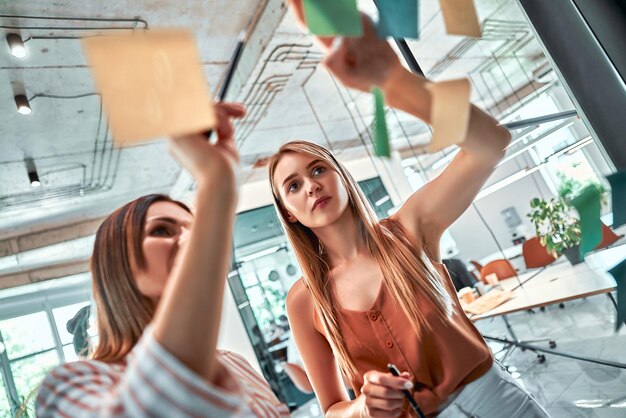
588	206
152	84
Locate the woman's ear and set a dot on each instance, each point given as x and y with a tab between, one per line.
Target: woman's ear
292	219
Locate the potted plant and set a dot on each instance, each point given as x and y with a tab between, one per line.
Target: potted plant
557	229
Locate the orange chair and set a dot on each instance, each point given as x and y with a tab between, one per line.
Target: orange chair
298	377
477	265
535	255
608	237
502	268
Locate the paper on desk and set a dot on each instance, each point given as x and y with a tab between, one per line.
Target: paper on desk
333	17
381	135
151	83
450	112
619	274
460	17
618	197
587	204
487	302
398	18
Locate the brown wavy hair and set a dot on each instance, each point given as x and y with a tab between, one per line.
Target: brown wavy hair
403	267
122	312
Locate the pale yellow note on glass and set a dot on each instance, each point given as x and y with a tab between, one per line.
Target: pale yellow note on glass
460	17
152	84
449	112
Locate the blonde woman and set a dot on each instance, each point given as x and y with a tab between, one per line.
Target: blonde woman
159	273
374	293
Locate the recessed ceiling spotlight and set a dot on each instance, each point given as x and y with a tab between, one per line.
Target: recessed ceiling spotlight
16	45
33	177
23	106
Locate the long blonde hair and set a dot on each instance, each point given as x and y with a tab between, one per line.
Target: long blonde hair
122	311
402	265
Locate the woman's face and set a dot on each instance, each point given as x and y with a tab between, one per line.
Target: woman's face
311	191
166	230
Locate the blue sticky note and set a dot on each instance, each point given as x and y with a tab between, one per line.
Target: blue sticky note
588	206
619	274
618	197
333	17
398	18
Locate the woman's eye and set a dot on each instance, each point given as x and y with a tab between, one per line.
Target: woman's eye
318	170
293	187
161	231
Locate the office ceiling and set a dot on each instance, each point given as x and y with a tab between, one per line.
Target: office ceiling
288	95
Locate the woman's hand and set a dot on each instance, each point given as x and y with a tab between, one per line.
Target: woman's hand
381	395
364	62
204	159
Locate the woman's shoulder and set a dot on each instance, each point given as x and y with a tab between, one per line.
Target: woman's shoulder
299	293
86	370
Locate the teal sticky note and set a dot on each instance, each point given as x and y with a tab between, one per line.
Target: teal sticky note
619	274
333	17
398	19
618	197
381	135
588	206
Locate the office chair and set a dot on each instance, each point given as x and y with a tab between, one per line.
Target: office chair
608	237
535	255
502	268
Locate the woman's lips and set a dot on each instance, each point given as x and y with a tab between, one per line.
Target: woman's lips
321	202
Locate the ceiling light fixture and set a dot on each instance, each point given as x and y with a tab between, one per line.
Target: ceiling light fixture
16	45
33	177
507	181
23	106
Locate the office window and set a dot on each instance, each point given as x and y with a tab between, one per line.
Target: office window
33	328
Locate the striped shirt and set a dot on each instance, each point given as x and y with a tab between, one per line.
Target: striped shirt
151	382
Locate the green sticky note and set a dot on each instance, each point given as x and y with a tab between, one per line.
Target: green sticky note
618	197
333	17
398	18
381	136
619	274
588	205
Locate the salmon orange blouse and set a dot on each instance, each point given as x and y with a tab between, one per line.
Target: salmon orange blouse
445	358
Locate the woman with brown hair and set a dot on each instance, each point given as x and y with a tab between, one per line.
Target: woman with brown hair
159	275
374	292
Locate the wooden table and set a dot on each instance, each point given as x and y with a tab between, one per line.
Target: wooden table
559	282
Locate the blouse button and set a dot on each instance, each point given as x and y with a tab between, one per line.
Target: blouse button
373	316
389	344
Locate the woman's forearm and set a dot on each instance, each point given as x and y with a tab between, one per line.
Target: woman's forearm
407	91
188	317
346	409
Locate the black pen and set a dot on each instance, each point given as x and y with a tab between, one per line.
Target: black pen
394	371
230	71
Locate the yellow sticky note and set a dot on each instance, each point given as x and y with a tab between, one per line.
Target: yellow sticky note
152	84
460	17
449	112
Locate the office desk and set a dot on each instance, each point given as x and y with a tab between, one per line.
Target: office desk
559	282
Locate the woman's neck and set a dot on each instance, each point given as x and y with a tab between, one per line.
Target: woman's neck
341	240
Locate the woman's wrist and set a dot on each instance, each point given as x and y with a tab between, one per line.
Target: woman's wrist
218	185
407	91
